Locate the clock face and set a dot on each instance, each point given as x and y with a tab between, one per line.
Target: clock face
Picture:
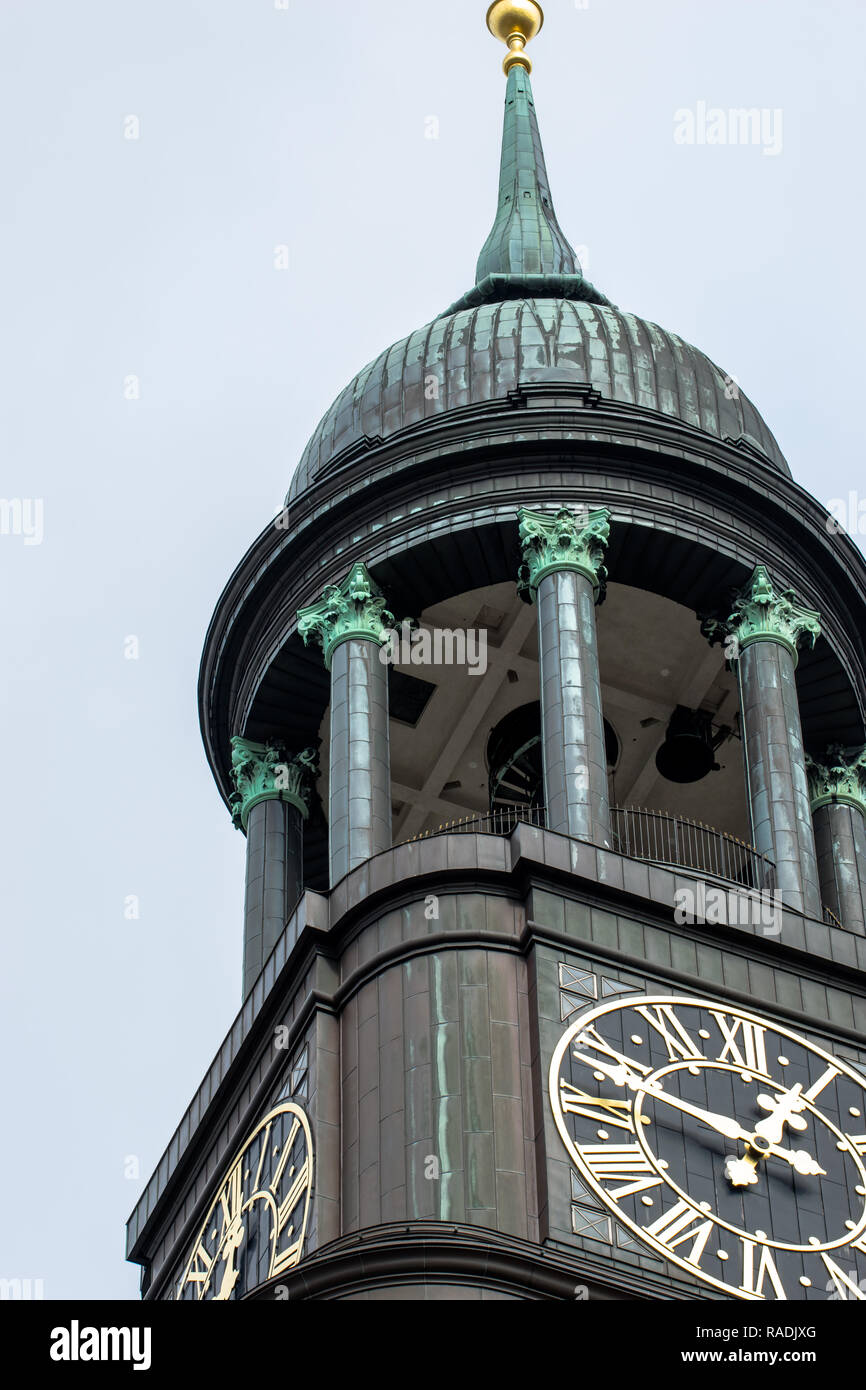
724	1142
255	1228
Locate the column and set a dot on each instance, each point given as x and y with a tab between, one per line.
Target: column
351	624
563	574
270	805
838	788
763	634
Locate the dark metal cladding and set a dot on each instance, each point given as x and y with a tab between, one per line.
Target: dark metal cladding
481	355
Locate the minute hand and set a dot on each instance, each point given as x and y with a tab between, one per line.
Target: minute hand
731	1129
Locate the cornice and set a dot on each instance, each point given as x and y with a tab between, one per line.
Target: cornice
448	1252
766	499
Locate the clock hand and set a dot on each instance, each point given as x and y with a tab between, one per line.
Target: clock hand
621	1076
785	1110
731	1129
743	1171
799	1159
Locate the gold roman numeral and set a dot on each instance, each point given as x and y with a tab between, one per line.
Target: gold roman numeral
200	1266
596	1108
593	1040
289	1257
232	1196
858	1143
287	1206
753	1280
822	1083
263	1152
628	1165
753	1056
680	1045
286	1259
285	1155
679	1225
843	1281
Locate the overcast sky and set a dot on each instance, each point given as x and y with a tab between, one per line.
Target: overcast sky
263	125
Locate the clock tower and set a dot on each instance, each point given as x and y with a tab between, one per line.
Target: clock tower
541	709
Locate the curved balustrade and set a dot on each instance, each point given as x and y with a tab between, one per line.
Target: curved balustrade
654	836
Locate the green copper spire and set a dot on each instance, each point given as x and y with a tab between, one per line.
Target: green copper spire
526	238
527	253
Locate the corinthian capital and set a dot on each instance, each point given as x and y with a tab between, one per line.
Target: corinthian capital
563	540
349	611
839	776
761	613
265	772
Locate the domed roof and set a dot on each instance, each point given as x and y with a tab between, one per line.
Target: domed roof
531	315
481	354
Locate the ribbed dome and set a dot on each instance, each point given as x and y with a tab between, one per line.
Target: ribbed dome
530	315
482	354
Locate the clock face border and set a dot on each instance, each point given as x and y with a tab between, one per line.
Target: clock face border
286	1107
595	1011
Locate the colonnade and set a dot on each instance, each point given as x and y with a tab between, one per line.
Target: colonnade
808	817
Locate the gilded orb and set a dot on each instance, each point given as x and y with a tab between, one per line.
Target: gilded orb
515	22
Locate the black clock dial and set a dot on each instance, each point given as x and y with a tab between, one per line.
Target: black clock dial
254	1230
726	1143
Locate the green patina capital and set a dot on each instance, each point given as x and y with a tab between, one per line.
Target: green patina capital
761	613
840	777
265	772
564	540
351	611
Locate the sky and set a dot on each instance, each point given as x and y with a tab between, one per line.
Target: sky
214	213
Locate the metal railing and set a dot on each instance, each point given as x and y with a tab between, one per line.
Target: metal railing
831	919
654	836
661	838
494	823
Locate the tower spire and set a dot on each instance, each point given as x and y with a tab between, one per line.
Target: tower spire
527	253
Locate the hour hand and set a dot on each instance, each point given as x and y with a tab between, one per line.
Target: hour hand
758	1144
785	1109
801	1161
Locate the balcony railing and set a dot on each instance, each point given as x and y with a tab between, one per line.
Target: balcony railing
664	839
654	836
494	823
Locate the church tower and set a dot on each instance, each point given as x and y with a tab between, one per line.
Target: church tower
541	708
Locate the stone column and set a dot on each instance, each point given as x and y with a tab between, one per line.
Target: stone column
351	624
838	788
763	635
270	805
563	573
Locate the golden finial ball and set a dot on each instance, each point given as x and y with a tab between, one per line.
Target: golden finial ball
515	22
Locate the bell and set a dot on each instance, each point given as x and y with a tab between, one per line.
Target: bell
688	753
